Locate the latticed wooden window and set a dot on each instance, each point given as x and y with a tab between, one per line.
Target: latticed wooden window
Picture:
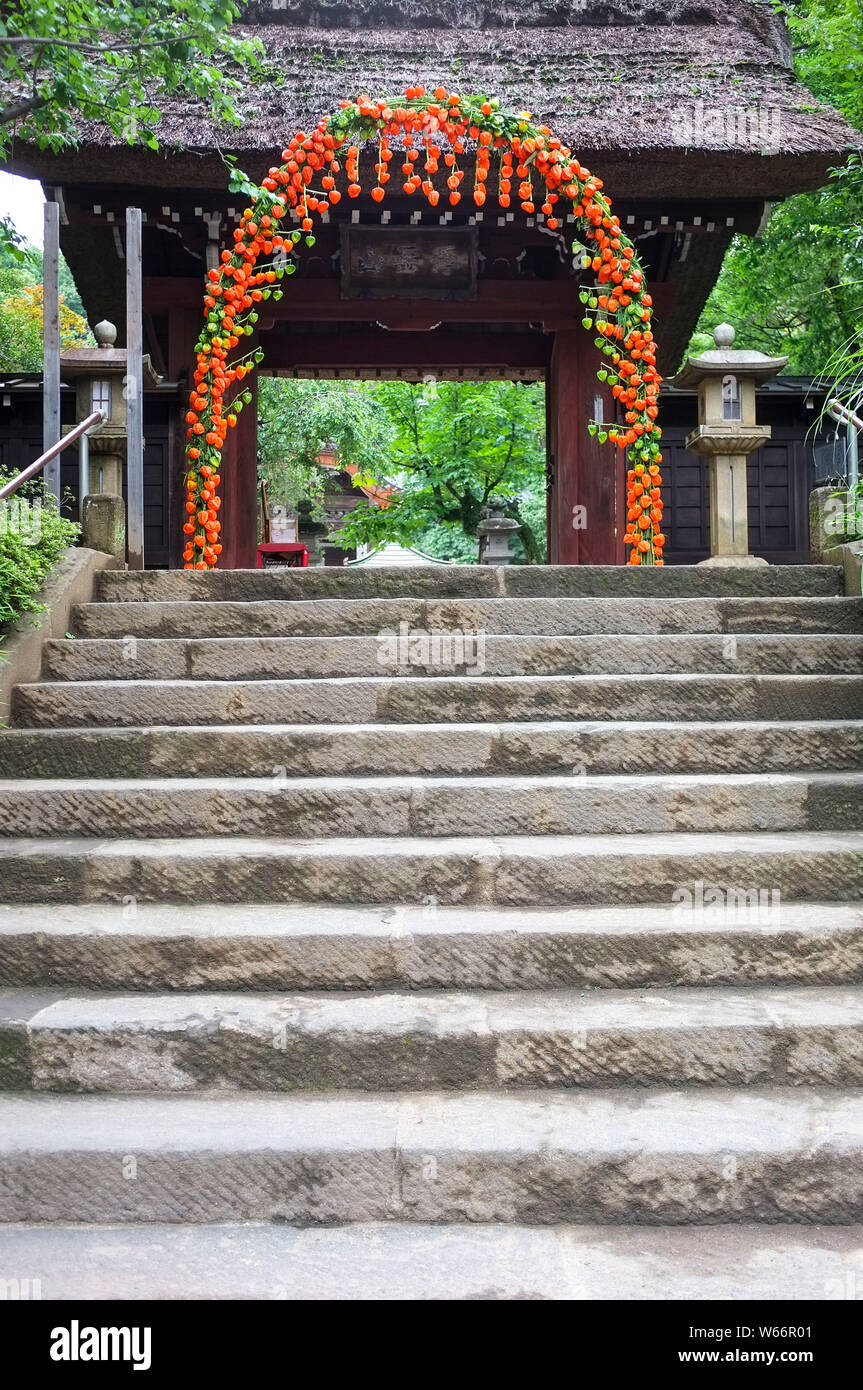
101	397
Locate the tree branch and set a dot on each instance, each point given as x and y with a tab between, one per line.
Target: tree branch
24	41
17	109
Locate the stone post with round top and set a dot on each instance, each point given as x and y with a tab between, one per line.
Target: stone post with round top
727	433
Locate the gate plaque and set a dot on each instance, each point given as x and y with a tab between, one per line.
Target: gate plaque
408	262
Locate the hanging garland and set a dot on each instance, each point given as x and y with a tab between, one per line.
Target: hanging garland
534	170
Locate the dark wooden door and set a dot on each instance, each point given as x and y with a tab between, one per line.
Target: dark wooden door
685	491
778	490
156	523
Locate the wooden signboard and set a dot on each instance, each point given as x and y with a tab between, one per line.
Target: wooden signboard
408	262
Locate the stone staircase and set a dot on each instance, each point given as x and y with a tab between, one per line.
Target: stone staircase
325	976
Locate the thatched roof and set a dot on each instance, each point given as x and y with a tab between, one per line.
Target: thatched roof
658	94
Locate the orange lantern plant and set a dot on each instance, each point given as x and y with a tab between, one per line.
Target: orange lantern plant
534	170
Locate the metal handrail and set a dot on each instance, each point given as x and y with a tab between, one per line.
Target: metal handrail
845	416
98	417
840	411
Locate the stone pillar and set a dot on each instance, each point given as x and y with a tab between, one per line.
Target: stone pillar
108	464
727	433
729	512
832	520
103	525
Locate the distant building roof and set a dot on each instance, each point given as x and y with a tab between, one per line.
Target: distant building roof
401	556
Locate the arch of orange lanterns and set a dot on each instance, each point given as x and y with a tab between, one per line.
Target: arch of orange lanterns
534	170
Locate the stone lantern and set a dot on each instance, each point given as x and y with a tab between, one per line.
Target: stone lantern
494	532
727	432
99	376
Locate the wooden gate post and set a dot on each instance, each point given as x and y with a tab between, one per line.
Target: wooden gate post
134	392
51	344
585	506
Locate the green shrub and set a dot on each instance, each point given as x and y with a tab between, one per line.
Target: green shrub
32	537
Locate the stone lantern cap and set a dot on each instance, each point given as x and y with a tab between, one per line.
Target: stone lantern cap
103	359
97	362
494	522
105	333
724	360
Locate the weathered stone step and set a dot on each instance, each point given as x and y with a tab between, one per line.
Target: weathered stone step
475	581
507	871
622	1157
517	616
143	946
397	1042
284	658
436	699
393	1261
433	806
577	748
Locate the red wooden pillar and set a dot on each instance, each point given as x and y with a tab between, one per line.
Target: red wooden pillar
239	489
585	505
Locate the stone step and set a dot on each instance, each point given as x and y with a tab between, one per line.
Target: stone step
236	750
436	699
515	616
283	658
395	1261
622	1157
543	870
276	946
318	807
475	581
416	1042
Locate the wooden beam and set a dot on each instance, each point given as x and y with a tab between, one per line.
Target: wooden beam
51	344
355	350
134	393
497	301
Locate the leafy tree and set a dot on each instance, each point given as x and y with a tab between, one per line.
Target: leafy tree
296	419
533	513
449	447
21	323
30	262
113	61
457	445
828	51
13	247
798	289
447	541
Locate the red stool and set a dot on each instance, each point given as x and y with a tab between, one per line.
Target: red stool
275	554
